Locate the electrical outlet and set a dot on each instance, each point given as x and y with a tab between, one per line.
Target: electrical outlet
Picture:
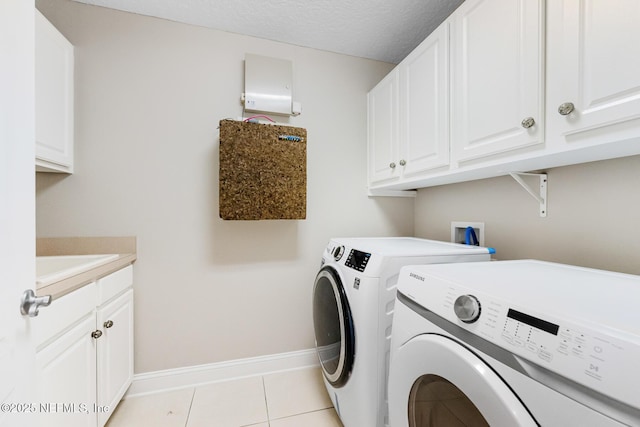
459	228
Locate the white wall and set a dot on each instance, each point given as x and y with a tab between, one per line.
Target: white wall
592	221
149	96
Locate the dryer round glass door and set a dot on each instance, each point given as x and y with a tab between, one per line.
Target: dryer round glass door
436	382
333	324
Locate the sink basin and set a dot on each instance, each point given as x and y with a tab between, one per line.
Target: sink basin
51	269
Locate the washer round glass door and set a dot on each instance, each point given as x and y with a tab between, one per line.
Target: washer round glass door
333	324
436	382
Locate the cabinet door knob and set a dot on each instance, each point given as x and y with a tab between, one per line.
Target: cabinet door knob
392	165
528	122
108	324
566	108
402	163
96	334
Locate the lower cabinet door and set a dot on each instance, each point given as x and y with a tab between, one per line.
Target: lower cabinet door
115	353
66	378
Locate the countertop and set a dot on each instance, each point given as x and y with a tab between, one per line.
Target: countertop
125	247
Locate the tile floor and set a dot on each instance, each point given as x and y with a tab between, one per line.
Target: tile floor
288	399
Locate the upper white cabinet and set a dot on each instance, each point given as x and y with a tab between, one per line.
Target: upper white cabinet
53	98
534	84
497	77
383	136
593	82
424	105
409	114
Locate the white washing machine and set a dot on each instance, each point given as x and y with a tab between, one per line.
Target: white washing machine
353	299
515	343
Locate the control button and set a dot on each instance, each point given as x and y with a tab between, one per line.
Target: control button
566	335
597	349
507	338
518	342
467	308
532	347
593	371
545	355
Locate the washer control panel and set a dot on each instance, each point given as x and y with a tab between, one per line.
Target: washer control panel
598	361
357	260
573	346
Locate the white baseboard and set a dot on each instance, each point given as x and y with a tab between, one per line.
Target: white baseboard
173	379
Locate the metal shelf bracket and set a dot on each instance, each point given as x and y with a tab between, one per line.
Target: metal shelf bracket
540	195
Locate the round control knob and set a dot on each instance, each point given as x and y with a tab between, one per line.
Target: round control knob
338	251
467	308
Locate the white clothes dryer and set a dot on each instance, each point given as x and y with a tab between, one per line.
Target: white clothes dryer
515	343
353	299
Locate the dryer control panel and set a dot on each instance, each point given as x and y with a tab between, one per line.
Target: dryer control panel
357	260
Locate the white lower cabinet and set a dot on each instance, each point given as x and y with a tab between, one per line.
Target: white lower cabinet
115	355
85	352
67	378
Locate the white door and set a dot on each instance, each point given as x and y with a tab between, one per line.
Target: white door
594	65
383	133
428	391
67	378
424	95
497	77
54	94
115	354
17	210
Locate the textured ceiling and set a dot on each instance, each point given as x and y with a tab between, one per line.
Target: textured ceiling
386	30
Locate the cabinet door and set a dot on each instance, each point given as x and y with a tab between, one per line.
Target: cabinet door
66	378
593	63
115	353
53	98
383	130
425	105
497	76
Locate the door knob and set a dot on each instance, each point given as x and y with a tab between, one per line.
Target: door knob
528	122
566	108
30	303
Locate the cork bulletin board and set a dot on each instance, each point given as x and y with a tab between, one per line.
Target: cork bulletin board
263	171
